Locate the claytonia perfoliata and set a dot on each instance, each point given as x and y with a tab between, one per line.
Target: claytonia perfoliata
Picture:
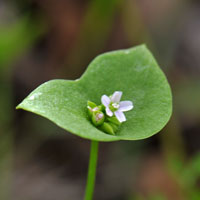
115	107
109	116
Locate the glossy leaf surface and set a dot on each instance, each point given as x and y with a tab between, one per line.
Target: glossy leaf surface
133	71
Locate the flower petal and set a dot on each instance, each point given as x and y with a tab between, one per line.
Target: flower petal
120	116
116	96
125	106
105	100
109	112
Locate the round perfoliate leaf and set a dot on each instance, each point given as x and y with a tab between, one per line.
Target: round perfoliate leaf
133	71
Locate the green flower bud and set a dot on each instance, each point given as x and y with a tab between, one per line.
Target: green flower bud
107	128
91	104
114	126
92	107
97	118
113	120
89	111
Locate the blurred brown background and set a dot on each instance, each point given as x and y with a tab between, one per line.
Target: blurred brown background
47	39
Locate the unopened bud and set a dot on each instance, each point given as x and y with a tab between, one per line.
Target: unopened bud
98	118
114	120
107	128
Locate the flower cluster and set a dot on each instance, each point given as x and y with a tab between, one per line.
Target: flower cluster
109	115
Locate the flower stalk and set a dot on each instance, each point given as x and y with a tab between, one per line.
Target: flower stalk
92	171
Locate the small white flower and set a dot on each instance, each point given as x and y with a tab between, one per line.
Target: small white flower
114	106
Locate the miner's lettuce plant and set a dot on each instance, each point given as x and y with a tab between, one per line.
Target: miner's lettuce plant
132	71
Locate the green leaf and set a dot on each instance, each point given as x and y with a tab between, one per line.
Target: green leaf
133	71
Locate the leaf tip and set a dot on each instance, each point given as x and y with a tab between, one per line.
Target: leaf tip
18	107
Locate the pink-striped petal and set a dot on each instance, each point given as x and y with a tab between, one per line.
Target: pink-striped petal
105	100
109	112
116	96
120	116
125	106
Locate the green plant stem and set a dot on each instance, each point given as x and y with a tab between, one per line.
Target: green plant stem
91	170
